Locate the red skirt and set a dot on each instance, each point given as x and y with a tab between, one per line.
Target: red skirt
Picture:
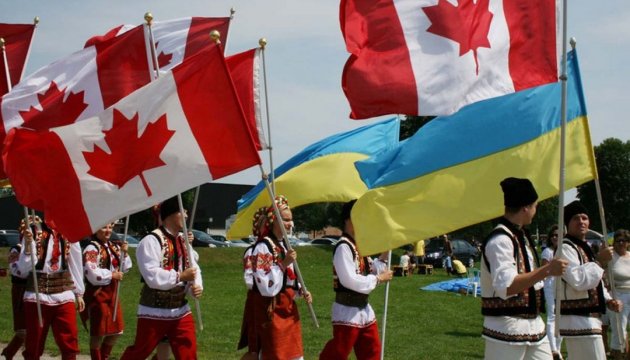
99	304
278	327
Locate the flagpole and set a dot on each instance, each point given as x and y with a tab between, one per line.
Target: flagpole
6	63
263	44
561	185
232	12
34	272
296	268
190	257
389	266
122	262
156	66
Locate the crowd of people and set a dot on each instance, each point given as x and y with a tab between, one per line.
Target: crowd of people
516	286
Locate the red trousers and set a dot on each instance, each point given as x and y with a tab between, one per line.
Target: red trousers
63	321
180	333
365	341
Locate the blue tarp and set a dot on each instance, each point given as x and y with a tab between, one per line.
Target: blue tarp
451	285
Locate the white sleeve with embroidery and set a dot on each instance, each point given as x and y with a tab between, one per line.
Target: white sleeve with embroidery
198	281
93	273
580	277
267	274
149	258
248	273
343	261
127	264
75	265
500	255
23	265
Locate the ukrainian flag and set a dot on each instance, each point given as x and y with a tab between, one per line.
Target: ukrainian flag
447	175
323	172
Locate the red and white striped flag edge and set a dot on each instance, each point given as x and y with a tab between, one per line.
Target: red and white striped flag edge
431	57
18	38
188	127
245	70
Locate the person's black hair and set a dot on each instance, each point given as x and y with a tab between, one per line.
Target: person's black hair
346	210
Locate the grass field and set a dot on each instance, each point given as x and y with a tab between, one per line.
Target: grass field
420	324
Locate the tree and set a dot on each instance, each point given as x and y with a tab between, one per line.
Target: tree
411	124
613	167
317	216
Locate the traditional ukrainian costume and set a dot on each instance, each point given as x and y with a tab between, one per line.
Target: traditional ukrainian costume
59	274
353	319
100	261
18	287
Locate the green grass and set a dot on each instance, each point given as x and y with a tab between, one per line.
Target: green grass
420	324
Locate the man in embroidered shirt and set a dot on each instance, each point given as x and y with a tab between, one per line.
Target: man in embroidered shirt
583	296
354	322
58	267
168	274
512	280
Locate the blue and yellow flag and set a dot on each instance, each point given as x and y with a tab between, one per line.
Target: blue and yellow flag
323	172
447	175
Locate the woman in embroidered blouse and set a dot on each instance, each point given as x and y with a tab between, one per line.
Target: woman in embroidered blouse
550	291
621	276
276	318
101	263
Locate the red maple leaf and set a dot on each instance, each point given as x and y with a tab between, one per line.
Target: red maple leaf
164	58
468	24
56	111
130	154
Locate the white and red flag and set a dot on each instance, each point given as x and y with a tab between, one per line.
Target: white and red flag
178	39
431	57
17	43
182	130
245	69
78	86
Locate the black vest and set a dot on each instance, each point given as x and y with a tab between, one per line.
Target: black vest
528	303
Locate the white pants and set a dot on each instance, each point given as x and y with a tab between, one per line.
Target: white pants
585	348
550	303
502	351
616	342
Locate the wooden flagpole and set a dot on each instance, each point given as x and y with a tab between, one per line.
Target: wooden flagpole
276	212
34	271
190	256
389	266
561	186
120	267
6	64
263	45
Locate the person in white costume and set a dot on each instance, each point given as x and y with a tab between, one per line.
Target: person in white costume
582	293
512	280
353	319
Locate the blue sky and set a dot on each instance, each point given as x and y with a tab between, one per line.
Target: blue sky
306	54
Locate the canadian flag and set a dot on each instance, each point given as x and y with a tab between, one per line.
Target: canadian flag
178	39
245	70
78	86
17	43
431	57
182	130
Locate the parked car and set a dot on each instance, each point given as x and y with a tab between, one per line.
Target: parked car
298	242
201	239
462	249
131	240
9	238
324	241
238	243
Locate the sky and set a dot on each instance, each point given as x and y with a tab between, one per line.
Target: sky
305	56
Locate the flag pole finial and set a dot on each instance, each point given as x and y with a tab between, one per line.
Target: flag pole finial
232	12
148	17
573	42
216	36
262	42
36	20
2	43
